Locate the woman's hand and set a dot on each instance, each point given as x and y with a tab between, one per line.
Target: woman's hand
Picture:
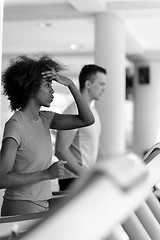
53	76
56	170
64	80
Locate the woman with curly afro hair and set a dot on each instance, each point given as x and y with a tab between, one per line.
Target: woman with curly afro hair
26	145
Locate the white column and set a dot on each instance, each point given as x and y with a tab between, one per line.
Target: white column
146	107
110	54
1	27
1	34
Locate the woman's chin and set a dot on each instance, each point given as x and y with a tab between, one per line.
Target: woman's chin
47	105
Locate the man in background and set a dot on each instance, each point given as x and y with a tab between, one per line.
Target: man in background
80	147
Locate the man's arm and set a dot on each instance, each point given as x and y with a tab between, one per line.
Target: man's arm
64	140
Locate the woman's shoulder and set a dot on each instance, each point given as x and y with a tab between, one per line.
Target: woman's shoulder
46	117
16	117
14	126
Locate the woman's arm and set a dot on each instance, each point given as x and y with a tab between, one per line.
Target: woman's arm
63	121
84	117
10	179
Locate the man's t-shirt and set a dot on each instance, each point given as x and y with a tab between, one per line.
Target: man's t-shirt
85	144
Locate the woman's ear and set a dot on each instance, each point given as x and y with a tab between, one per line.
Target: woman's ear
87	84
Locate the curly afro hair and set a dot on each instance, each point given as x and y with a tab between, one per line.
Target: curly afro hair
23	78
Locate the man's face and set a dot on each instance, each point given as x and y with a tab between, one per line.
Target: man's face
97	85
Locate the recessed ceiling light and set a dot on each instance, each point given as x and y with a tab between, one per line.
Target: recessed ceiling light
74	46
44	24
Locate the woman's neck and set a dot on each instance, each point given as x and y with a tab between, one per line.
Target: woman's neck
31	112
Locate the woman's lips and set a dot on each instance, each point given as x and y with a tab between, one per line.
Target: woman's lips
52	97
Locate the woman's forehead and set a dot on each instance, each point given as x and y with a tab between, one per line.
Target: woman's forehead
48	80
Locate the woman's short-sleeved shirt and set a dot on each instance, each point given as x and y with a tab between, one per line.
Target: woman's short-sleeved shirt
34	153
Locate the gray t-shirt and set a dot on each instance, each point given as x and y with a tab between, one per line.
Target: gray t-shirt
34	153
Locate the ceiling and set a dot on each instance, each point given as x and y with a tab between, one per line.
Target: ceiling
72	22
65	28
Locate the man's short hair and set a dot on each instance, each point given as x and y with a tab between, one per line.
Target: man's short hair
87	71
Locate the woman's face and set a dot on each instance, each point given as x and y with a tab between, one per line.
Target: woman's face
44	96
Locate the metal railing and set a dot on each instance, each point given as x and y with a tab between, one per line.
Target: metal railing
113	201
